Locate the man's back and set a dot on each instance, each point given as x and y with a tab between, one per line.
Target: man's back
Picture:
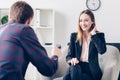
18	46
11	52
12	55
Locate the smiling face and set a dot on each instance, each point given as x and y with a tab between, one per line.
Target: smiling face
85	22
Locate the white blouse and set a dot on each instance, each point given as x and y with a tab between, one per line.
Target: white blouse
85	49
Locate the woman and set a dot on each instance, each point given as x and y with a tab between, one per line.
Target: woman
84	48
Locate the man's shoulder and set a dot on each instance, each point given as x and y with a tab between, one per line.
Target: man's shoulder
18	26
1	26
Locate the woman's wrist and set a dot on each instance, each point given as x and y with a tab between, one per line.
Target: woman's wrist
93	32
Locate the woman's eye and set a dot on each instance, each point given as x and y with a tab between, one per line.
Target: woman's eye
80	20
86	20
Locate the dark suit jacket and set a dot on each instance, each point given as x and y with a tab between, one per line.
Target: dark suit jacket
97	45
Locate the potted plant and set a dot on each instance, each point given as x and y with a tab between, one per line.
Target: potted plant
4	19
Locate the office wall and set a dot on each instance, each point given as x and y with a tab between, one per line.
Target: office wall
67	12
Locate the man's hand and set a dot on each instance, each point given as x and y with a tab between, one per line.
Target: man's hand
56	51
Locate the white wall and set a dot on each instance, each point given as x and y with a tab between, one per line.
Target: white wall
67	12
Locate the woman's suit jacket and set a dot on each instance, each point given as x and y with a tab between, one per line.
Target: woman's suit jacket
97	45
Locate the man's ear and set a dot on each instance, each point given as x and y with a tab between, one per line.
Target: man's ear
28	21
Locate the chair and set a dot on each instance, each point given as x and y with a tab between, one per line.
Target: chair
109	63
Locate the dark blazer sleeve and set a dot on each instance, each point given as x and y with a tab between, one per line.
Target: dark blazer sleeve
71	49
36	53
99	42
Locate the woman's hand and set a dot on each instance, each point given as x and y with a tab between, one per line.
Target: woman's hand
73	61
93	31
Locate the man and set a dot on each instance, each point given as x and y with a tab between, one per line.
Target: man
19	46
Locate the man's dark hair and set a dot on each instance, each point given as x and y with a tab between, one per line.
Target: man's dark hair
20	11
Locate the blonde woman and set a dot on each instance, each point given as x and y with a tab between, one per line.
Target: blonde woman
84	48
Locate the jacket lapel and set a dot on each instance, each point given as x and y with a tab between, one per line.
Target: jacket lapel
78	50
